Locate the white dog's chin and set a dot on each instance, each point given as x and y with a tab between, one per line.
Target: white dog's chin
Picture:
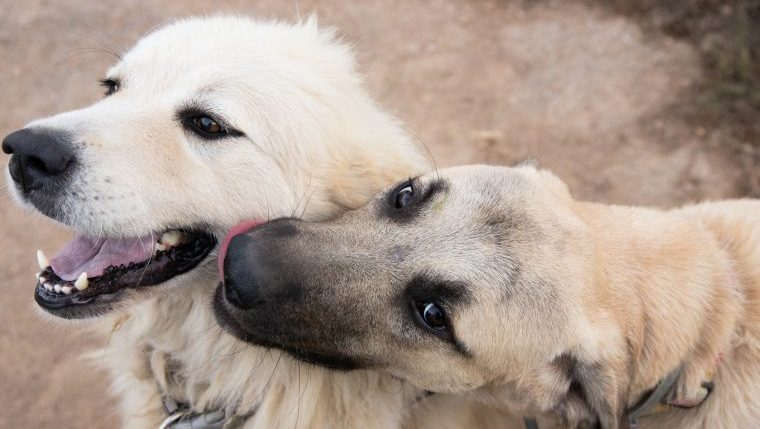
89	275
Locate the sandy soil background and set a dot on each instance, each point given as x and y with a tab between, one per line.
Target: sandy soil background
586	91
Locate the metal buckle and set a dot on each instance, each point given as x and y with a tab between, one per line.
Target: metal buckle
193	420
169	421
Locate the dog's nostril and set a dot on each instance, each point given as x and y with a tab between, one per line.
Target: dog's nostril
39	155
37	164
16	170
232	296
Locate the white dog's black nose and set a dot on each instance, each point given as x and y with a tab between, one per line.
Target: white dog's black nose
38	156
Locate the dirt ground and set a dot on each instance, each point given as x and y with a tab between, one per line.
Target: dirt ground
584	91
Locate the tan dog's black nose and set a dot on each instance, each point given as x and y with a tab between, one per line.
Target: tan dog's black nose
38	156
243	273
256	268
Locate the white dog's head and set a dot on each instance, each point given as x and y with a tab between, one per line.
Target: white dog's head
206	122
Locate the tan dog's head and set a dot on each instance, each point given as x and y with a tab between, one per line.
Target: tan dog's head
206	122
468	278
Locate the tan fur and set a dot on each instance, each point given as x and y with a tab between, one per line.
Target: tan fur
564	310
675	288
669	285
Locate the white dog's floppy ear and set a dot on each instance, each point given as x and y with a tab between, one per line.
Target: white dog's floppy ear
356	183
363	172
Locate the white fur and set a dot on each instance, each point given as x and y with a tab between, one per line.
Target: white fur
315	144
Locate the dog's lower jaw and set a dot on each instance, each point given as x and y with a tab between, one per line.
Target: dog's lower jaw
185	353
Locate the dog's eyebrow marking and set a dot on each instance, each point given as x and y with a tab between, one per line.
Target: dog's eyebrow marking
426	286
435	187
429	191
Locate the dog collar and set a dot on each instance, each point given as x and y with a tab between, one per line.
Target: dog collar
653	403
182	416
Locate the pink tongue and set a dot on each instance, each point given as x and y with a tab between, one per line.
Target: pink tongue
93	256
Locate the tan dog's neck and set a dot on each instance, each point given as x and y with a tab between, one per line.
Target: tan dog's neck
667	290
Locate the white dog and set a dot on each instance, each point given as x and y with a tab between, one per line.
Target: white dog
207	122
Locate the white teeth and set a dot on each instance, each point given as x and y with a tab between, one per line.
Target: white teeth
42	260
159	247
48	287
171	238
57	288
82	283
66	290
38	274
42	279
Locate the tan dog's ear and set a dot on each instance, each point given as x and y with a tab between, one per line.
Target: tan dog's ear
551	182
554	184
593	393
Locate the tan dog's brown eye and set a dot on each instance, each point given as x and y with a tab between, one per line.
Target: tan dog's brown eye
432	315
207	125
404	196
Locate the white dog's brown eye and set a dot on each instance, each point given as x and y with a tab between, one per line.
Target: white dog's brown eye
204	125
433	316
207	125
404	196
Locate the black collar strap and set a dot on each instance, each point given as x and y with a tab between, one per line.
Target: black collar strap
648	404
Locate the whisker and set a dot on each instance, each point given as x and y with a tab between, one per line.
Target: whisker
266	386
428	152
300	395
308	199
305	191
266	201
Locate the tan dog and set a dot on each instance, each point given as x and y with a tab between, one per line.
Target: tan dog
494	281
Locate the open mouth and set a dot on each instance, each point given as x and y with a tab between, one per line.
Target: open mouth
89	274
